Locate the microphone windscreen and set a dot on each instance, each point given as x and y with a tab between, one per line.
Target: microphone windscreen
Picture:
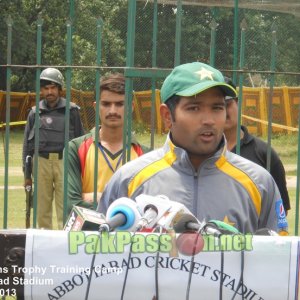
127	207
82	218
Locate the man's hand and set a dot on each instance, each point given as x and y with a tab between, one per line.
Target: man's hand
28	182
89	197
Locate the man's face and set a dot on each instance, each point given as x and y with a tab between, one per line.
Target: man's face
111	109
199	122
50	92
232	114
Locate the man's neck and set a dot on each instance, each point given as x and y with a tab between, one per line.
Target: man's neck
111	138
52	104
231	137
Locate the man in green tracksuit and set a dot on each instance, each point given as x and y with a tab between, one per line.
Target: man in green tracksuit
194	166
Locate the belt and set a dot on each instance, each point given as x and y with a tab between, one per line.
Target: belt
53	156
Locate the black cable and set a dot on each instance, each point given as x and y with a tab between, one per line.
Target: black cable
222	232
156	268
160	228
241	280
101	229
221	276
126	273
188	288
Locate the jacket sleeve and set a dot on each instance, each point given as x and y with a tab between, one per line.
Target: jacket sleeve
273	215
26	149
74	179
278	173
78	127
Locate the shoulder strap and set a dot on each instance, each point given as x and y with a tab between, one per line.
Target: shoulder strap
73	105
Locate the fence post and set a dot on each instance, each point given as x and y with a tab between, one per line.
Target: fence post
178	33
154	112
37	115
67	116
97	95
213	26
128	81
271	92
9	23
241	79
235	40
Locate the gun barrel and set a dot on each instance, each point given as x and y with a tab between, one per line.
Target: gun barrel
28	167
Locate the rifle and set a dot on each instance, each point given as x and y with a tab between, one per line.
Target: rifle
28	188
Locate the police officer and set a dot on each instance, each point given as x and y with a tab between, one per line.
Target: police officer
52	110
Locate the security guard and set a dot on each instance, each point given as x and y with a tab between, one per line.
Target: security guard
52	110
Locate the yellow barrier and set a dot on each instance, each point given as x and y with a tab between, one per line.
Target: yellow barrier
274	125
13	123
285	108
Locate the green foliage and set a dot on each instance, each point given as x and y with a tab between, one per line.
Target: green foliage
194	44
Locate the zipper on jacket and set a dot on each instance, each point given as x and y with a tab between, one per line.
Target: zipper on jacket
195	200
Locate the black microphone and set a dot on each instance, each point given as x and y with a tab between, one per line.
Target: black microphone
118	220
82	218
266	232
213	227
186	222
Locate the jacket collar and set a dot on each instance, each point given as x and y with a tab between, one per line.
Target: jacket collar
182	158
60	104
247	138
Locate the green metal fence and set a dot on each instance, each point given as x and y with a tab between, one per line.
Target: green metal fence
255	44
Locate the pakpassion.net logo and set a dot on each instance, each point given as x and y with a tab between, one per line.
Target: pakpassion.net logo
187	243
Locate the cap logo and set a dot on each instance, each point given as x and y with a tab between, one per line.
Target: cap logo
204	73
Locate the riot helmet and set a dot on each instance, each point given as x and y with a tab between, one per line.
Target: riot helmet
51	75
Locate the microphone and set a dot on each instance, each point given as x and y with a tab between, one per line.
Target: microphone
160	204
223	227
150	214
122	214
214	227
177	212
266	232
81	219
185	223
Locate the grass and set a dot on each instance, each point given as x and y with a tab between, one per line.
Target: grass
286	146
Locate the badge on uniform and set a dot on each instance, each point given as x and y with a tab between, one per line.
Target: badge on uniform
49	120
280	213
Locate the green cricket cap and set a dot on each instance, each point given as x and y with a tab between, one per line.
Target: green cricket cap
193	78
